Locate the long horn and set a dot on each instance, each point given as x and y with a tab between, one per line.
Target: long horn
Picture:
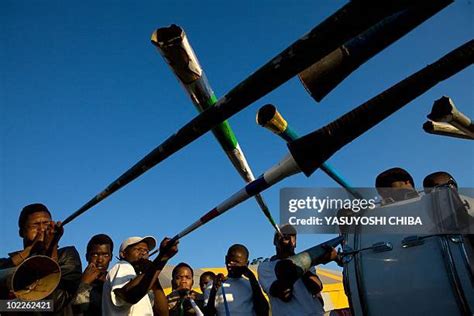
444	129
331	138
323	76
350	20
269	117
295	266
34	279
175	48
353	124
444	111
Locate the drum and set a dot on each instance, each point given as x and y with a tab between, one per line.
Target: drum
428	274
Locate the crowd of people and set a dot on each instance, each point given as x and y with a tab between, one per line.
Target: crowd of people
132	285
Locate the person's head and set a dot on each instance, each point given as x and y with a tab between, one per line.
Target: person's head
436	179
205	278
34	218
393	181
285	244
236	260
134	249
99	251
182	277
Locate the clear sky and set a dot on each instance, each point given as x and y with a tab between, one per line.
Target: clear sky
84	95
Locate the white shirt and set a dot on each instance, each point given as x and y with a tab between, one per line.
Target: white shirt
301	303
238	294
118	276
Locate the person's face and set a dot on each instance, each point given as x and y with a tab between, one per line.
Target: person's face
100	256
394	191
236	262
136	252
286	243
204	281
35	223
183	279
401	185
398	190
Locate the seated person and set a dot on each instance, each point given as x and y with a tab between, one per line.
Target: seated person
236	295
183	300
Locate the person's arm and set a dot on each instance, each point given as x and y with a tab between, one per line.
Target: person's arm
83	300
71	271
19	256
312	283
210	308
270	284
160	307
282	290
137	288
52	235
260	303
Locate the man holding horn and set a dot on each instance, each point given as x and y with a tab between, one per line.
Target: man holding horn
129	281
40	237
292	297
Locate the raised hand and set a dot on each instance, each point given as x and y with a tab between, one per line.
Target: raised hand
168	250
91	273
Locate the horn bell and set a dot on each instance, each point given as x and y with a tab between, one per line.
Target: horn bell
34	279
269	117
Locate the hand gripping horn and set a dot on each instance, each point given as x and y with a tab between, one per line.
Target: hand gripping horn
295	266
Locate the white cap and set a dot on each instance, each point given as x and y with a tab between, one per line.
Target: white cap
149	240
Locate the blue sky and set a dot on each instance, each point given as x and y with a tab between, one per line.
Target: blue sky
84	95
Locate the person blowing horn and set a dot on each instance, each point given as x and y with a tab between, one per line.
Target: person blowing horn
292	296
41	237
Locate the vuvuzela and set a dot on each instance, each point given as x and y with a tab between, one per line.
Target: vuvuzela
443	110
347	22
174	46
444	129
269	117
323	76
34	279
335	135
295	266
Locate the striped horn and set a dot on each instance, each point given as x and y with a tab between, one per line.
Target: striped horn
269	117
174	46
350	20
342	131
331	138
295	266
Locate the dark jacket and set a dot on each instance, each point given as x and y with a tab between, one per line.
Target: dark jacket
71	272
88	299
